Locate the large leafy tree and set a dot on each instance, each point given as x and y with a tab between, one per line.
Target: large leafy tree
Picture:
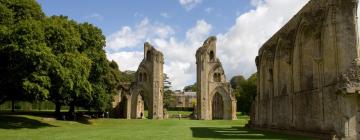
53	58
245	92
71	85
24	58
106	88
104	76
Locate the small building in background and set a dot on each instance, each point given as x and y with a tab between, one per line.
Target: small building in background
183	99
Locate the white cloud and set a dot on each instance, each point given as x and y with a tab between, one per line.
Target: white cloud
189	4
95	16
129	37
179	54
237	48
138	15
165	15
199	32
209	10
126	60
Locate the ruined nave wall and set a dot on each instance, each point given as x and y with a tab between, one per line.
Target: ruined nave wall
305	69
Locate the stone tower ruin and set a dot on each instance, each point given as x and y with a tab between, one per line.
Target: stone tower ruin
214	95
147	89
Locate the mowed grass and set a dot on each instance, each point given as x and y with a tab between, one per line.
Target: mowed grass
28	127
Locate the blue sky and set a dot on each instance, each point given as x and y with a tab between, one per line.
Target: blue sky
178	27
111	15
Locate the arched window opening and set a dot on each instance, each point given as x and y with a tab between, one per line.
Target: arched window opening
211	55
145	77
140	77
217	77
148	55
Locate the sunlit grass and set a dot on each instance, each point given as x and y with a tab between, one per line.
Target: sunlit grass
28	127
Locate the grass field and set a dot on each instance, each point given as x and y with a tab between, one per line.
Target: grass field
29	127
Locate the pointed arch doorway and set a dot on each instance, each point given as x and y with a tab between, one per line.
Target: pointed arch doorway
217	107
141	106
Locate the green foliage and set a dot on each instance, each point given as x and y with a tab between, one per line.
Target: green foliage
245	91
168	93
53	58
191	88
91	37
236	81
127	76
104	75
62	34
24	9
24	57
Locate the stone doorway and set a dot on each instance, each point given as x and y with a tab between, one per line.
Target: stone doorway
217	107
141	107
123	108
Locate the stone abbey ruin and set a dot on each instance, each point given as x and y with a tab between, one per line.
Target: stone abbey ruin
308	77
309	74
214	97
147	89
217	101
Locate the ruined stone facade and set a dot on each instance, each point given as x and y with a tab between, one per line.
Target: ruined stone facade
214	95
308	73
147	89
183	99
121	106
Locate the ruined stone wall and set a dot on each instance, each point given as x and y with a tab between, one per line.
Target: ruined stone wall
307	72
121	106
211	81
149	84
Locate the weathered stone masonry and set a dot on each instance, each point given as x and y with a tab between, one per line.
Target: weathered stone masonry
146	90
308	72
215	99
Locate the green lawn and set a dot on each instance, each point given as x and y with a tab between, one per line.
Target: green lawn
27	127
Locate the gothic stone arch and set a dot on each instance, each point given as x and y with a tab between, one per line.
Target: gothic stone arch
139	102
146	90
211	81
221	103
315	88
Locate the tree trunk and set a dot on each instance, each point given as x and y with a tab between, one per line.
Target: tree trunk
72	114
12	105
57	110
71	108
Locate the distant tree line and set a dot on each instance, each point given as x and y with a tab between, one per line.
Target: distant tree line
53	58
190	88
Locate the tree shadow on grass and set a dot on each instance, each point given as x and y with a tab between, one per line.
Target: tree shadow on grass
238	133
18	122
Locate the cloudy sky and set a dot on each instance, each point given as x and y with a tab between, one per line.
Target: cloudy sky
178	28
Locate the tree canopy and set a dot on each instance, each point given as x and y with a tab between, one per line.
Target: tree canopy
245	91
168	93
191	88
53	58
